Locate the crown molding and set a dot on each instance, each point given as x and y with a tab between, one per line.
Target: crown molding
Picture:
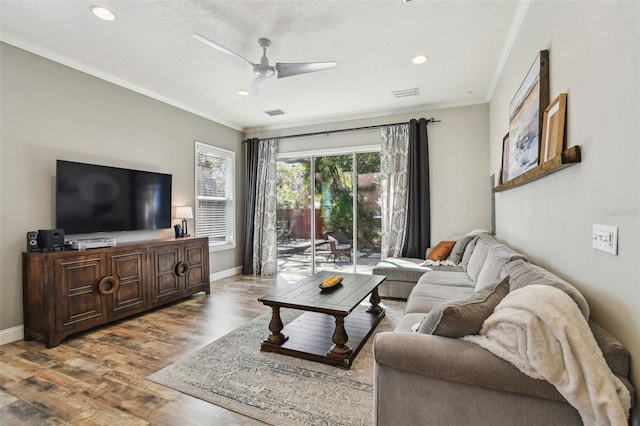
514	31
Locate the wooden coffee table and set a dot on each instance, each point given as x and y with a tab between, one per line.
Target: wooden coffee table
333	317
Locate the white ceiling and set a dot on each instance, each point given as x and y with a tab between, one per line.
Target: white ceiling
149	48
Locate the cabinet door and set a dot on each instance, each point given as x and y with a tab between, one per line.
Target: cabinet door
196	259
128	273
78	303
166	283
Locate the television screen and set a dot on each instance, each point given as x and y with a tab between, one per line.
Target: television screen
92	198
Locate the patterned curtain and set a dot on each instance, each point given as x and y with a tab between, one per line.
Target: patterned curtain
264	223
393	168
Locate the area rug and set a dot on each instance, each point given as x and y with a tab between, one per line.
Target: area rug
277	389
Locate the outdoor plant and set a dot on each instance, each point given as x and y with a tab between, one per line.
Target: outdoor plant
338	216
333	194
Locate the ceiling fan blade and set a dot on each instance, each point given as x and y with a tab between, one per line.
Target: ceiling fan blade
219	47
256	86
287	70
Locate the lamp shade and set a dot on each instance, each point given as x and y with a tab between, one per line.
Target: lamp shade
184	213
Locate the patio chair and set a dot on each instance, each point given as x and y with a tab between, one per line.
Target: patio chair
284	231
288	235
338	249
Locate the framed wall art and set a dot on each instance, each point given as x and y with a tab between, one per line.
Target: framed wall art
553	128
526	117
504	173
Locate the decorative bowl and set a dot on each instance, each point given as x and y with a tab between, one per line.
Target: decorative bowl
330	282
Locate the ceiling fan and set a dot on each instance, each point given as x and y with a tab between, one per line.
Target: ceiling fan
263	70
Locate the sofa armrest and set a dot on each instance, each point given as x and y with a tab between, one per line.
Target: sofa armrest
458	361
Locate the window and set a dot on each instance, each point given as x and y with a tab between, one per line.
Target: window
215	211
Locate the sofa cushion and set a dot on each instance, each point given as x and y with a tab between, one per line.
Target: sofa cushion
401	269
468	251
424	298
466	316
458	249
408	322
498	256
451	278
524	273
479	255
441	250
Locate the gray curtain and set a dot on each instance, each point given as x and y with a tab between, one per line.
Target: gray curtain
264	222
250	204
393	169
418	228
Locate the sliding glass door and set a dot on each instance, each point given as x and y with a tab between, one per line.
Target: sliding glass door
368	217
334	198
295	209
329	188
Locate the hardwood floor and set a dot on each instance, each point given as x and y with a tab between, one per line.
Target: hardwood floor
99	377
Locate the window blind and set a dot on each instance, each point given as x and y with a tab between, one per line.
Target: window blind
214	193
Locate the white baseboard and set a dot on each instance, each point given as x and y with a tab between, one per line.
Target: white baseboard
17	333
11	334
226	273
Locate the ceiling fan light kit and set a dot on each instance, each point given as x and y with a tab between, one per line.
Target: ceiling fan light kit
263	69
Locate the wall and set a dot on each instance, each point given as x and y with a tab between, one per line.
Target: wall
458	153
51	112
593	49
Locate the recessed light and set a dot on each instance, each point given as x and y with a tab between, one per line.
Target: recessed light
103	13
420	59
243	93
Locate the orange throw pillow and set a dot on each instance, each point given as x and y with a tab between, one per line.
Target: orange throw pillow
441	251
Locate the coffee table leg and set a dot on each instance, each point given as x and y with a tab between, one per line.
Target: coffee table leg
275	326
339	350
375	307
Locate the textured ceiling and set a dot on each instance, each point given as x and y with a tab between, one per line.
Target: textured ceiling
149	48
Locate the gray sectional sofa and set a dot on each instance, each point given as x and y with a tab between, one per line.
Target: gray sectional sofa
404	272
431	379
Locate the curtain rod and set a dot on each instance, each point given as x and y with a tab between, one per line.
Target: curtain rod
353	129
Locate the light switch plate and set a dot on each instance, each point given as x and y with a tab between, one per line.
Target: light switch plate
605	238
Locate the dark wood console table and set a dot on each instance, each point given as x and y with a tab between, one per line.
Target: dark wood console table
65	292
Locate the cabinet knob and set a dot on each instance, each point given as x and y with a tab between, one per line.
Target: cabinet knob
182	268
108	285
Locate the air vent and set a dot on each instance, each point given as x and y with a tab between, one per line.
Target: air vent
275	112
407	92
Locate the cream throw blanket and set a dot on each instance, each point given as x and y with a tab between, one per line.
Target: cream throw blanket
540	330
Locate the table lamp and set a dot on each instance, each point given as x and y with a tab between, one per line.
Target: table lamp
184	213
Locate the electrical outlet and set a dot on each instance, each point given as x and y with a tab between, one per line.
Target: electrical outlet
605	238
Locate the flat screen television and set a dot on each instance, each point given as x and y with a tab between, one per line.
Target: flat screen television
92	198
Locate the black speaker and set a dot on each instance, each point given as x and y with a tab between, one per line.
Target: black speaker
32	241
51	239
